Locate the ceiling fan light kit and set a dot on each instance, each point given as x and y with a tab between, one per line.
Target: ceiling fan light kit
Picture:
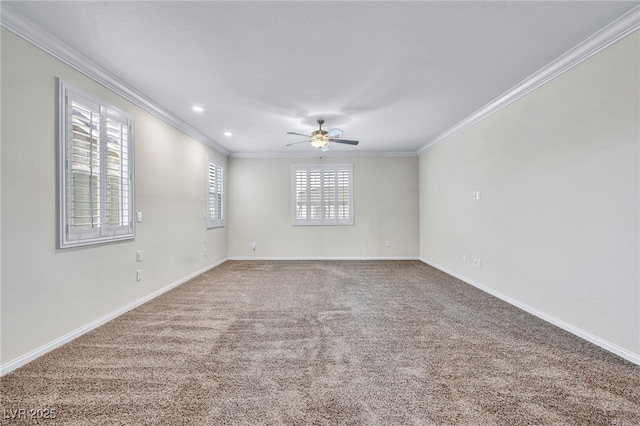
321	138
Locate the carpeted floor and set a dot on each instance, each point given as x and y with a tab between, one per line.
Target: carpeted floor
326	342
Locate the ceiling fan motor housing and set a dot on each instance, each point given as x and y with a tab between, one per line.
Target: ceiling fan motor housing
318	137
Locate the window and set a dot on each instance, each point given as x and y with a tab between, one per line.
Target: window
323	194
215	196
96	170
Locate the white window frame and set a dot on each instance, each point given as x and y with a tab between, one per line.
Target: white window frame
114	162
215	194
327	199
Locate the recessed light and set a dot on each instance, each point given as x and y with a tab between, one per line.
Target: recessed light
197	108
228	134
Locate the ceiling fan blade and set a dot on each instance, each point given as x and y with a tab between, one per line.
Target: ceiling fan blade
325	148
299	134
335	133
345	141
296	143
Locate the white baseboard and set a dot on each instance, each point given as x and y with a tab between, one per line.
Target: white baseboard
324	258
24	359
621	352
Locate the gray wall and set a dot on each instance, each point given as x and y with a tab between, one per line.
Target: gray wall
556	227
385	209
48	293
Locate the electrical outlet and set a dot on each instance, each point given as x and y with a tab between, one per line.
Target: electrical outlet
464	258
478	262
139	217
139	275
476	195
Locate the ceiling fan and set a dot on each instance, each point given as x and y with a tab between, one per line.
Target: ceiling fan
321	138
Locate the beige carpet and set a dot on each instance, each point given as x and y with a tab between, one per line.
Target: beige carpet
326	342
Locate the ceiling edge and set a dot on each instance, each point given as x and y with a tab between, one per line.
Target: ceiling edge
317	153
32	33
617	30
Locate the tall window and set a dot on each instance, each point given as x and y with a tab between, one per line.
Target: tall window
323	194
215	196
96	170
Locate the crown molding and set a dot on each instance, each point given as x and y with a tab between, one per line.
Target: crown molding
617	30
317	153
34	34
29	31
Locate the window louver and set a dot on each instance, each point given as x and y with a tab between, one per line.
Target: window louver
322	195
215	196
96	147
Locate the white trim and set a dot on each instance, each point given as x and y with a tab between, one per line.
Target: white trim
324	258
219	175
67	94
38	352
604	344
31	32
317	153
617	30
337	168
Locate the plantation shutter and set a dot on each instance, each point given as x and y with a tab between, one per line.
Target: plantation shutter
322	195
96	171
329	195
301	201
118	191
344	194
215	195
83	167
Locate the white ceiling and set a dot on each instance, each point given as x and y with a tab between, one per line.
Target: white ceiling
393	75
